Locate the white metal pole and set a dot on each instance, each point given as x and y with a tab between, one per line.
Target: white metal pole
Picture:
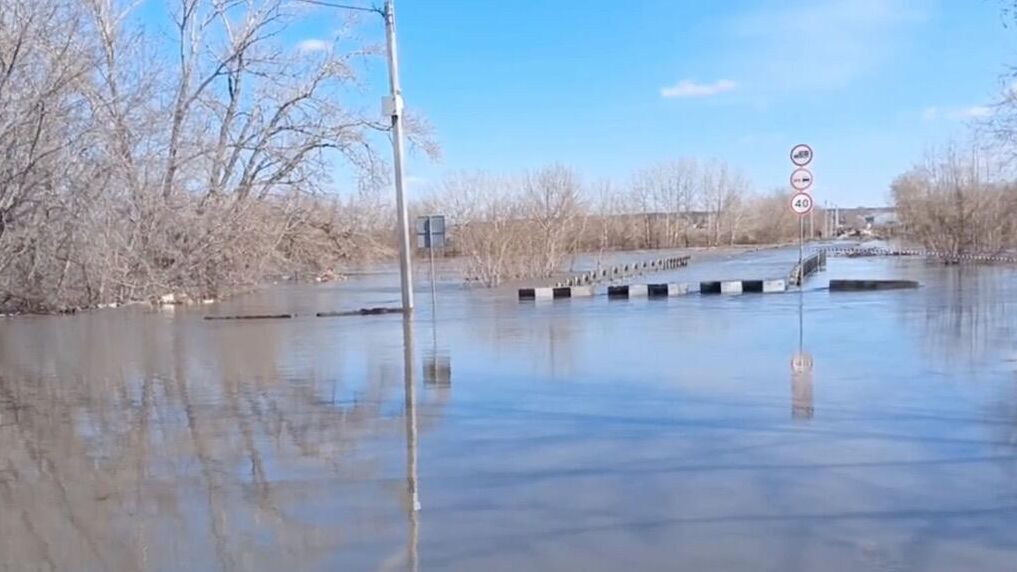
430	255
405	269
801	249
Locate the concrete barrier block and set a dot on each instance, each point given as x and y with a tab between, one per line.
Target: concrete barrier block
774	286
582	291
861	285
677	289
638	291
709	287
752	286
656	290
617	291
537	293
731	287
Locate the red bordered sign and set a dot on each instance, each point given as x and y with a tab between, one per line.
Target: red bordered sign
801	155
801	203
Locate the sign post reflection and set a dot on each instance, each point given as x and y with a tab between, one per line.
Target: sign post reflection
801	371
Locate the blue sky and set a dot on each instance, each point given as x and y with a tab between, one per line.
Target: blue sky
611	86
870	84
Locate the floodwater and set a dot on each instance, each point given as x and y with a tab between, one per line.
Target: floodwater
581	434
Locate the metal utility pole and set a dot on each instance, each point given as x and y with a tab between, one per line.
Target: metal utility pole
395	108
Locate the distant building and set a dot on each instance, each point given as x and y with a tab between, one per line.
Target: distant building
868	220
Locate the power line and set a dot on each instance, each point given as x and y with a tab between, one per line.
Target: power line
341	6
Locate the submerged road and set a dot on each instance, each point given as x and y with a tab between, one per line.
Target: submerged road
583	434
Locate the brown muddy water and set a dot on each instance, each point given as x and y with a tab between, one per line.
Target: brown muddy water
575	435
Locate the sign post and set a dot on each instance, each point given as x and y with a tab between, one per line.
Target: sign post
431	235
801	201
802	205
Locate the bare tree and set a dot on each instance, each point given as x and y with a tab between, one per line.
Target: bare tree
722	191
135	167
957	203
44	133
552	202
667	193
508	228
485	230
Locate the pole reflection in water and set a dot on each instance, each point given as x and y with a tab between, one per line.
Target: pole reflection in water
437	365
413	509
801	371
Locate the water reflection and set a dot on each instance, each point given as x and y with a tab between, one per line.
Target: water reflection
180	445
801	371
801	395
412	489
438	370
966	313
437	363
137	442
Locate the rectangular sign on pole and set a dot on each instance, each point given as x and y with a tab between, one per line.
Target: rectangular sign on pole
431	231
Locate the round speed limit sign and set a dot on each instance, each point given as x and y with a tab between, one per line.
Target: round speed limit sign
801	203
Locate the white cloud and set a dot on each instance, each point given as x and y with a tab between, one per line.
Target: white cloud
975	112
934	113
690	88
311	45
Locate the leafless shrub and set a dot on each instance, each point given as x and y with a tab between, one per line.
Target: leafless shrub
509	228
552	204
958	204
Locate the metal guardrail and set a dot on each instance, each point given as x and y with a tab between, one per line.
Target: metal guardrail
812	264
624	270
852	252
